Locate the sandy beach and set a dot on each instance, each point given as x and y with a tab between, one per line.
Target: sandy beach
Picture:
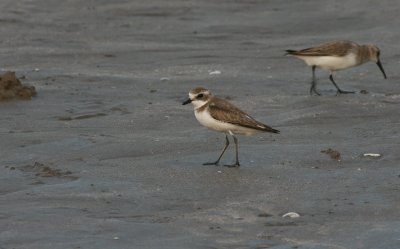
106	156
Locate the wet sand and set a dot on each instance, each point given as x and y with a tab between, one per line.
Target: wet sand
105	156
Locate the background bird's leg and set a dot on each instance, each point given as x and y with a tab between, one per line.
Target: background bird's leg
339	91
223	151
314	83
236	164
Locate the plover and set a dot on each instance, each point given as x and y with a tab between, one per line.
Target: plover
220	115
335	56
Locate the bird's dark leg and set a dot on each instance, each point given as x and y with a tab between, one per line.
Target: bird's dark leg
339	91
223	151
314	83
236	164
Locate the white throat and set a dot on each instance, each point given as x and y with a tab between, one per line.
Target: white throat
198	103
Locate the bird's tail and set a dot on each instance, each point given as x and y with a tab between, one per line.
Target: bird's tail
274	130
270	129
289	51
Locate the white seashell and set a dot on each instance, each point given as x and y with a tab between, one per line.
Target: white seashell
372	154
215	72
291	215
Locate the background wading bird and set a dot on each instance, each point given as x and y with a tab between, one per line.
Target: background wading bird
335	56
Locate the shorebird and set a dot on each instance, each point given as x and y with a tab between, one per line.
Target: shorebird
220	115
335	56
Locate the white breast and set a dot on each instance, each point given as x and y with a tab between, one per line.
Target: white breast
208	121
331	63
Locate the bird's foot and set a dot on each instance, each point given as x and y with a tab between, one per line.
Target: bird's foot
212	163
235	165
343	92
317	93
313	90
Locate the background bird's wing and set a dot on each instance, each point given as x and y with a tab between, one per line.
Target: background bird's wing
226	112
338	48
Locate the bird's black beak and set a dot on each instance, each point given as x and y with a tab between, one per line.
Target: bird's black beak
381	68
187	102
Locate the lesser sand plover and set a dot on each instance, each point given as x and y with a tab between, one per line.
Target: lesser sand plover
335	56
220	115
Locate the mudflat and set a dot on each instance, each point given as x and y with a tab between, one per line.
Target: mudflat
105	156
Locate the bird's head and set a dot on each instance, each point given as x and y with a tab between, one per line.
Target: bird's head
198	97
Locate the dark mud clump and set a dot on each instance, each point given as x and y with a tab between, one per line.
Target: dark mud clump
335	155
11	88
44	171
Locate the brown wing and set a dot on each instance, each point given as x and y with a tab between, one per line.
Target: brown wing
337	48
224	111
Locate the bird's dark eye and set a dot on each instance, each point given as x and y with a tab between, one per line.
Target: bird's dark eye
200	96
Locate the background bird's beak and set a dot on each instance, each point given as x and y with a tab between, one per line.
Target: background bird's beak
187	102
381	68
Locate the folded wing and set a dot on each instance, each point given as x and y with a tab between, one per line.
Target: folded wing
224	111
338	48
